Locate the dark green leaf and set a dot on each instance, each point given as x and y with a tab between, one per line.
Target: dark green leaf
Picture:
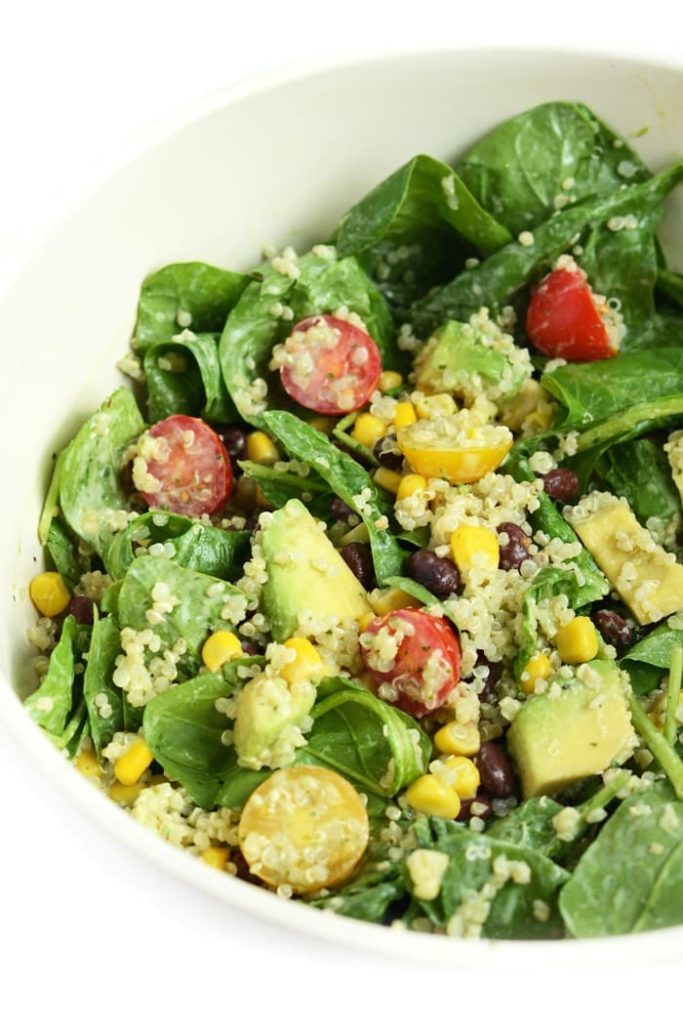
63	552
184	377
50	705
105	647
639	471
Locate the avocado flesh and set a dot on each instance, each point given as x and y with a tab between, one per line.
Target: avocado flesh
456	352
560	738
608	533
305	573
266	708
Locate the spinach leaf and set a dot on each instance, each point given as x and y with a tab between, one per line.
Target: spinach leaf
375	887
105	647
531	825
63	552
496	280
279	487
476	865
671	283
185	732
348	480
320	284
204	292
50	508
630	878
198	599
238	784
639	471
653	651
51	704
89	480
408	231
366	739
554	151
586	583
187	542
184	376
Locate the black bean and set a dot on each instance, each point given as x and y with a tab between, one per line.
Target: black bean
494	669
515	550
235	440
614	629
249	650
561	485
358	557
385	453
484	810
82	610
252	521
495	769
341	511
439	575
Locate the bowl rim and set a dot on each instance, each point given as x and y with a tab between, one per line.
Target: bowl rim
104	814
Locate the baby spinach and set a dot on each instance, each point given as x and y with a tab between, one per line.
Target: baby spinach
671	284
655	649
63	552
557	151
630	878
184	376
320	284
408	231
376	887
348	480
279	487
105	647
189	543
51	704
90	487
199	291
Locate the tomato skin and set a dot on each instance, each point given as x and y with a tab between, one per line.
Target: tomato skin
564	321
195	476
423	634
329	365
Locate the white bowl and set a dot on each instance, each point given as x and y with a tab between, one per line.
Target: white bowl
276	160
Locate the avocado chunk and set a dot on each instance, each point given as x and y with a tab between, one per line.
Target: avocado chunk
306	573
468	359
559	738
269	718
647	578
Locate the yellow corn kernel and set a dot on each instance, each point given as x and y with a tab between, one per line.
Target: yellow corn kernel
307	664
365	620
322	423
49	594
216	857
389	380
404	415
577	641
430	796
387	479
125	796
409	484
220	647
475	547
262	449
390	600
431	407
136	760
368	429
462	774
458	738
87	764
537	668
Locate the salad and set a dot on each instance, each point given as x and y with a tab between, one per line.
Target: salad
367	586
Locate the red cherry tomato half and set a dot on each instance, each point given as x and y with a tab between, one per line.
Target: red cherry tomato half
329	365
416	661
190	464
564	320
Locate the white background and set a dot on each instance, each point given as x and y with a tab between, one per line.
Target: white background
87	932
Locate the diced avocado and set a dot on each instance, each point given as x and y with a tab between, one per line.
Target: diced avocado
467	359
646	577
305	573
558	738
269	713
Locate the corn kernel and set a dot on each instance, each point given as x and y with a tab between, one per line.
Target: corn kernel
577	641
221	647
458	738
307	665
323	424
262	449
389	380
475	547
368	429
388	479
49	594
537	668
390	600
431	407
216	857
430	796
365	620
410	484
87	764
125	796
131	765
404	414
462	774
